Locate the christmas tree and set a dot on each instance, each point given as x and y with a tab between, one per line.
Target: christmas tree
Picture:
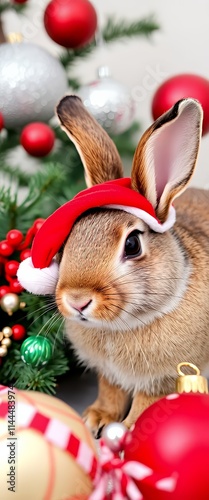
33	349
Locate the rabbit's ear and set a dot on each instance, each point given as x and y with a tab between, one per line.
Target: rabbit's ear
98	153
166	155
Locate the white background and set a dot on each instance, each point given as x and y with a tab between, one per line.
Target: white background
181	46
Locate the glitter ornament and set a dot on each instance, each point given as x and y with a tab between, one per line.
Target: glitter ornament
109	102
36	351
26	92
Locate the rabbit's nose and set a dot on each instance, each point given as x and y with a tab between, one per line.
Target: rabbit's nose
80	306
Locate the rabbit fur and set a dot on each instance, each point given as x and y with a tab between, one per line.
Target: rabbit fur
146	314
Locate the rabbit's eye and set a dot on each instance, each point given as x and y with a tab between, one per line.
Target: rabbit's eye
133	245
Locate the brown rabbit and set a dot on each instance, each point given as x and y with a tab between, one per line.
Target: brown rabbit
136	299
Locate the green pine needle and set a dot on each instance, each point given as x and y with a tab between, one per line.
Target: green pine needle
115	30
112	31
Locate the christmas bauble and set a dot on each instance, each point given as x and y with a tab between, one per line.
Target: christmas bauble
47	453
10	303
179	87
36	351
70	23
18	332
37	139
172	437
1	122
26	91
109	102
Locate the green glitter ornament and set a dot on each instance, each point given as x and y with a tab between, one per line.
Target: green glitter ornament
36	351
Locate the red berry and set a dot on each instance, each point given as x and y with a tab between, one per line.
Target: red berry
3	290
37	224
25	254
11	267
14	237
15	286
9	278
37	139
5	248
18	332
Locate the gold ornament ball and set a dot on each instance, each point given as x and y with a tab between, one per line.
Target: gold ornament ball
10	303
3	351
1	336
7	342
47	471
7	331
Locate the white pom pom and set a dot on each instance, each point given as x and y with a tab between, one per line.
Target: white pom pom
38	281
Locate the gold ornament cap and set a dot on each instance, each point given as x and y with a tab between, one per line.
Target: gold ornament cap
191	383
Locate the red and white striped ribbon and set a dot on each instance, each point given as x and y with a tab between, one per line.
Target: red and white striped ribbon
115	479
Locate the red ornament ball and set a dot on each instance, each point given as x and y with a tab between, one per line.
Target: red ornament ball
37	139
70	23
179	87
11	267
18	332
1	122
172	437
14	237
5	248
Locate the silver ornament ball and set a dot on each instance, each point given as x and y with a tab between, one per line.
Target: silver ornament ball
31	83
114	436
109	102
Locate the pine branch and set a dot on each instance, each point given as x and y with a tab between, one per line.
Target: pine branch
40	184
16	173
112	31
115	30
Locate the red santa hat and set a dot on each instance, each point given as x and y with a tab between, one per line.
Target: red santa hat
39	273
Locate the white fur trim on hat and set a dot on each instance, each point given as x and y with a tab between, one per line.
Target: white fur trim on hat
38	281
148	219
